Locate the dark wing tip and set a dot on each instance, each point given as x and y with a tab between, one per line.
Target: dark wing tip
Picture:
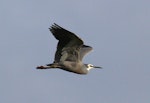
56	30
55	26
64	35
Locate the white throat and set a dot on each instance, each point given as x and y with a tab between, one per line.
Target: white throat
89	68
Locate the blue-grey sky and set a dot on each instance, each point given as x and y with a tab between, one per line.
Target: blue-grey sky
118	30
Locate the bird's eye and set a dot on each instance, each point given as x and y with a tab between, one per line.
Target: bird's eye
90	65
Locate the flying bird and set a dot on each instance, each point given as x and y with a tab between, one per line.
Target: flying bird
70	52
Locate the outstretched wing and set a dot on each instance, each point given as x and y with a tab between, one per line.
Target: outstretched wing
68	43
84	50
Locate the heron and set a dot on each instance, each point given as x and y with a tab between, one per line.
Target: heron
70	52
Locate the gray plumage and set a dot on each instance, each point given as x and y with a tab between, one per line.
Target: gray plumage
70	52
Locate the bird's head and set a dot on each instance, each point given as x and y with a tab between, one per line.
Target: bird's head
90	66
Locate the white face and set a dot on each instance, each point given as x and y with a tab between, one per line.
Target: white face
90	66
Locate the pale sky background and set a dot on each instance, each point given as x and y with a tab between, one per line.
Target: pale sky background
118	30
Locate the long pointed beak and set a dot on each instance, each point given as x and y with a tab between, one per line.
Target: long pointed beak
97	67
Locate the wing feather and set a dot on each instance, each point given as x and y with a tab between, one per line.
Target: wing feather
67	40
84	50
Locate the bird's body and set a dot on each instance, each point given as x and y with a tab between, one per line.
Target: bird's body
70	66
70	52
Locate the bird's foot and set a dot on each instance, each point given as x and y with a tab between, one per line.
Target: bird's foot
40	67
